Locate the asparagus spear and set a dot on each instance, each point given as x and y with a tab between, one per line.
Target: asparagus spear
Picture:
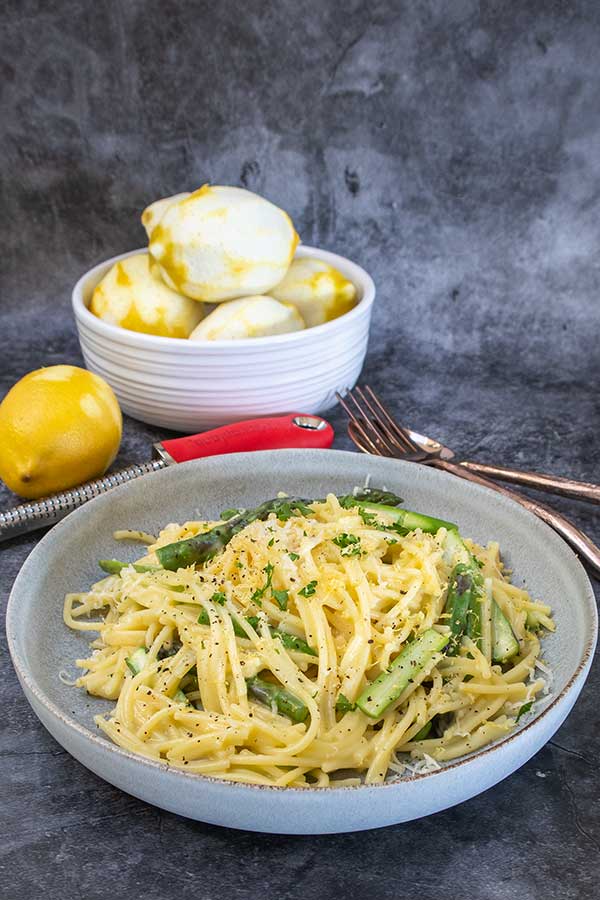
372	495
137	660
475	613
422	734
504	642
485	621
189	682
287	704
463	592
199	549
114	566
406	520
386	689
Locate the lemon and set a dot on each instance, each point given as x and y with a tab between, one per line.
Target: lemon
248	317
318	291
59	427
221	243
132	297
154	213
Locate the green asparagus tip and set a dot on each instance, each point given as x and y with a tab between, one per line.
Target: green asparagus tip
287	704
114	566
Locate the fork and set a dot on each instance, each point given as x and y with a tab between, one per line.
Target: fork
375	431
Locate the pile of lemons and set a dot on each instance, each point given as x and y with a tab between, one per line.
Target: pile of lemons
226	246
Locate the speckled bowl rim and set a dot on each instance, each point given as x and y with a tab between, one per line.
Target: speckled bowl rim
580	673
361	279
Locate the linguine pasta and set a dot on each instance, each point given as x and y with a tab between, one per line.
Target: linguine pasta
317	606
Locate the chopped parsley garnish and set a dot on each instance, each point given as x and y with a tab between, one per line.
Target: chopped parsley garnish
343	705
309	589
397	527
294	556
293	642
349	544
260	592
229	514
271	542
524	709
219	597
293	508
369	518
281	598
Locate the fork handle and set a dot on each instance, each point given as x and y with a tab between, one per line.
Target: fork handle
576	538
554	484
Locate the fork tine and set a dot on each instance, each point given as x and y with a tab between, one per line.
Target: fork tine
359	441
370	429
378	434
366	426
359	427
400	431
381	424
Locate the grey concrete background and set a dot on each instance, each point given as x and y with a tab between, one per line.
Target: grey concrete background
453	150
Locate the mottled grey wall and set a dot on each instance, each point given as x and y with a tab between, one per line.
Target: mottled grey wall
452	148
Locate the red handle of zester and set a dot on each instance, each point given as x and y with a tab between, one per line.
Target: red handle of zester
296	430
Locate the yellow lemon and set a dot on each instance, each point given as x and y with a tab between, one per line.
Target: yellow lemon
59	427
248	317
131	296
318	291
154	213
221	243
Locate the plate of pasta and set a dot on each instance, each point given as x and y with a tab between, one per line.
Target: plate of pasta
302	641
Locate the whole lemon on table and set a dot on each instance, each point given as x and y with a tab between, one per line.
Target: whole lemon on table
59	427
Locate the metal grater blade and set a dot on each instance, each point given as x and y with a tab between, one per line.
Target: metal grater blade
41	513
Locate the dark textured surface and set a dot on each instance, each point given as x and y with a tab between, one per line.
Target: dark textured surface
451	149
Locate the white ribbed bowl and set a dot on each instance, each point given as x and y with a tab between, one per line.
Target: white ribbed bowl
187	385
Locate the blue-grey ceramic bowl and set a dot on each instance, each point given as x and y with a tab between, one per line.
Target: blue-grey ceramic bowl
66	560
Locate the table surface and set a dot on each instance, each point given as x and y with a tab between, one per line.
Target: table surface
454	153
